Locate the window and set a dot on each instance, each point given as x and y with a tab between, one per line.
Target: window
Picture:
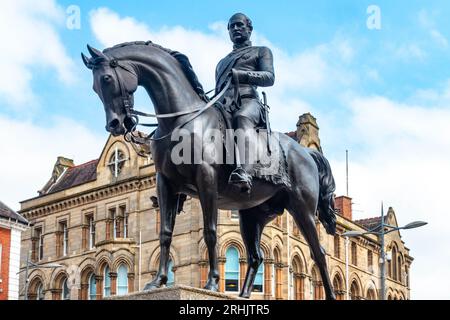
354	291
122	280
37	245
110	224
370	260
62	239
235	214
354	254
65	290
92	287
118	226
65	239
106	283
40	245
232	270
123	218
259	279
337	246
40	292
170	274
88	241
0	258
91	232
394	264
116	162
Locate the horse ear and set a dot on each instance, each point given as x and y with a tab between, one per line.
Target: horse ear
96	53
86	61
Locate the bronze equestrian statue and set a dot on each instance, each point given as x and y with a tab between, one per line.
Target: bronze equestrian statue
303	185
249	68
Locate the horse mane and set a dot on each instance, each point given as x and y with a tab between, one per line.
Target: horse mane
182	59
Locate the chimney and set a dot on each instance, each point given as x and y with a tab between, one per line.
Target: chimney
343	206
308	132
60	166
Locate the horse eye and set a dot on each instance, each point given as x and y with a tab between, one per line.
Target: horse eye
106	78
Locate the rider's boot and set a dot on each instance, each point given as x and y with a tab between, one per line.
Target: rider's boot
240	178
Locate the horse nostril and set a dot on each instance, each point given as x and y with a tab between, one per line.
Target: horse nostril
113	124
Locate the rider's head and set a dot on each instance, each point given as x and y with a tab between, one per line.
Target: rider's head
240	28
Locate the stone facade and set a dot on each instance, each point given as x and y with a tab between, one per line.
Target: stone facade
122	254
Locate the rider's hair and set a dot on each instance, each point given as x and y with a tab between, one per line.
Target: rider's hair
247	19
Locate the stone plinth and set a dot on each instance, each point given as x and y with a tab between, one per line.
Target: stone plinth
178	292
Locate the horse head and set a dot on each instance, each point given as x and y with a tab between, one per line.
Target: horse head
115	82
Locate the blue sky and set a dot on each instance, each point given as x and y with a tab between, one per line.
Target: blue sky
382	94
293	26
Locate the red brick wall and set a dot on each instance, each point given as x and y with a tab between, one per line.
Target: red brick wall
5	241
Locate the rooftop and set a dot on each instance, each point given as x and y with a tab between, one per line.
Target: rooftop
75	176
8	213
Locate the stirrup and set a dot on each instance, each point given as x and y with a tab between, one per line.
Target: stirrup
240	178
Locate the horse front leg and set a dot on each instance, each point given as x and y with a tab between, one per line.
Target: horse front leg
167	203
207	189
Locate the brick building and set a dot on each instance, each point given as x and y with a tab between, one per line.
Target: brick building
11	227
100	221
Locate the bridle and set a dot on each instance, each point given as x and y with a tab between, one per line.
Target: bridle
126	99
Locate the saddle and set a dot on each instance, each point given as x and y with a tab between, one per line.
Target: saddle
271	164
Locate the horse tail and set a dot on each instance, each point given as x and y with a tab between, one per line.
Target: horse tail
325	206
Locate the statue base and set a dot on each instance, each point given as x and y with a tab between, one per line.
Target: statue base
178	292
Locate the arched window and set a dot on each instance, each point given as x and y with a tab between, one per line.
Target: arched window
276	275
371	294
92	287
399	268
298	283
106	283
354	291
65	290
232	270
122	280
170	274
394	264
40	291
337	286
258	285
317	285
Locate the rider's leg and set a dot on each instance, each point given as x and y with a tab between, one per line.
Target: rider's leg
245	139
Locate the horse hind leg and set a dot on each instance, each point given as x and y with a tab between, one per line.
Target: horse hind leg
303	213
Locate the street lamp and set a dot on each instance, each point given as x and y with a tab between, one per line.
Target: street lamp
381	233
32	265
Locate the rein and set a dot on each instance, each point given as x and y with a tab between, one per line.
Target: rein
134	114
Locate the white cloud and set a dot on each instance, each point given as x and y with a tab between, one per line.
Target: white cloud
405	164
28	31
29	152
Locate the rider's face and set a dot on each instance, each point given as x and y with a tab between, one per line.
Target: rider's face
239	30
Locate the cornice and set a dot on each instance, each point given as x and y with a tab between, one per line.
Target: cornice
89	196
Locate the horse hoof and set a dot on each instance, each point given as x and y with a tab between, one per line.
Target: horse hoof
151	286
211	287
245	295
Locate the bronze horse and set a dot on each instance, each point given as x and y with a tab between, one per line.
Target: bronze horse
117	73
